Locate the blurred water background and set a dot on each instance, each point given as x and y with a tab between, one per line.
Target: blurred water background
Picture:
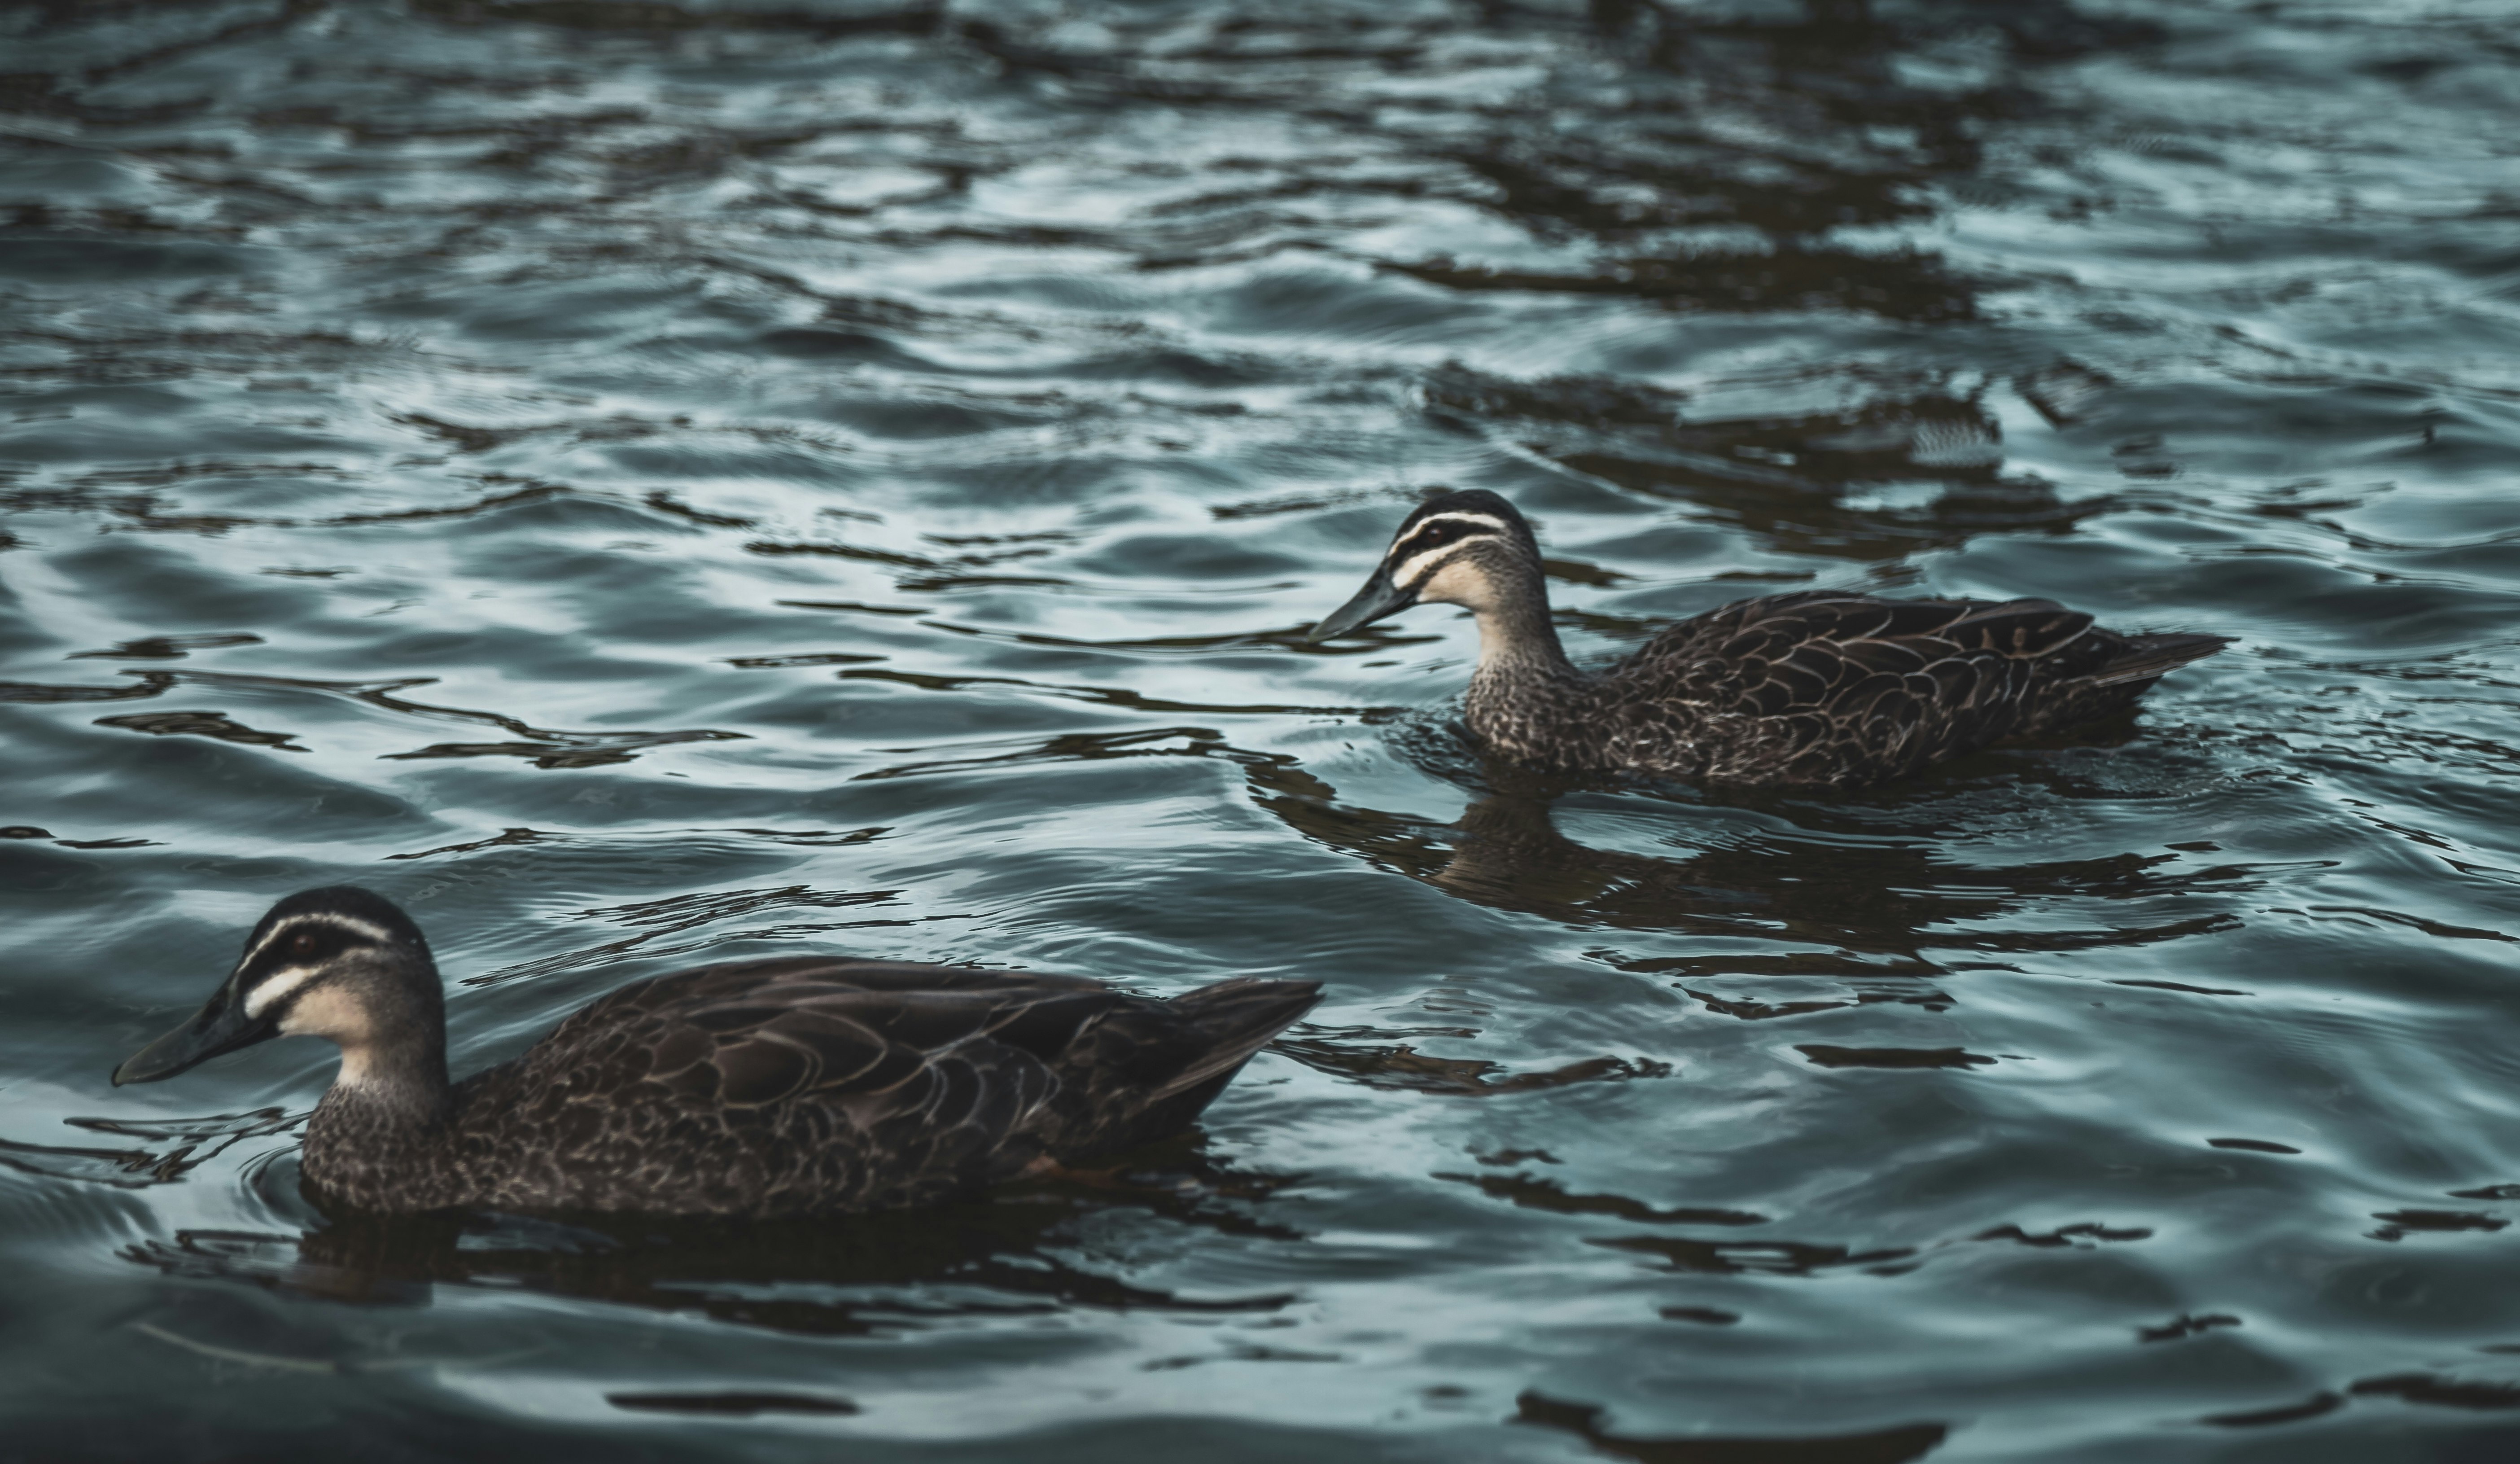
644	482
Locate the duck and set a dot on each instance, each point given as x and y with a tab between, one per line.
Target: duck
1824	689
782	1087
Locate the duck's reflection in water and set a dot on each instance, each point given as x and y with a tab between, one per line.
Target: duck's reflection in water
1008	1253
1861	896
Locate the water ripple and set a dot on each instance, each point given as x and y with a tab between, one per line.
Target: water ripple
643	483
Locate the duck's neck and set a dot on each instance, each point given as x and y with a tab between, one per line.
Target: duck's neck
1523	672
391	1090
375	1143
387	1110
407	1078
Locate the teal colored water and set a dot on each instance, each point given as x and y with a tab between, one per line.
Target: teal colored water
646	483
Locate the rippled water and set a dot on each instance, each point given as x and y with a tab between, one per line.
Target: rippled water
644	483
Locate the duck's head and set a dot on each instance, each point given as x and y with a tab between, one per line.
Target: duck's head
339	962
1468	548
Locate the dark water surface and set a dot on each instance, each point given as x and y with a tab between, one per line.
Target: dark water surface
642	483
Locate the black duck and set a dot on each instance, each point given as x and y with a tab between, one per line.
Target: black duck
1816	689
776	1087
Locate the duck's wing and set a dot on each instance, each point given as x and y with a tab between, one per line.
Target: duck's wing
1832	689
1146	1069
868	1035
869	1083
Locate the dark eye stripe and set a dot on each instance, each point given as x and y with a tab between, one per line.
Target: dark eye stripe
311	940
1435	533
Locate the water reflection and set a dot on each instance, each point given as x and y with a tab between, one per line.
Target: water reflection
1014	1253
1874	883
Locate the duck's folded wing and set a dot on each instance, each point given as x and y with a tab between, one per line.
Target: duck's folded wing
855	1078
1872	684
930	1058
789	1086
782	981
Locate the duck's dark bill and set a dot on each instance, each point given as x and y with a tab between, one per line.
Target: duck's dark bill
1380	598
222	1026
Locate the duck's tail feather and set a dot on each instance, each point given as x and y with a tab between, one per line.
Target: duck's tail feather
2147	658
1237	1018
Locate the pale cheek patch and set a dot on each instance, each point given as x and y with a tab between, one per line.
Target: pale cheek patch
1456	583
327	1012
260	999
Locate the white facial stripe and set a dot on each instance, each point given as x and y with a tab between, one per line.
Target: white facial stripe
278	987
259	1000
351	923
1406	572
1487	521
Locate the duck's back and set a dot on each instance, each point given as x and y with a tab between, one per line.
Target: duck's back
1828	689
800	1086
